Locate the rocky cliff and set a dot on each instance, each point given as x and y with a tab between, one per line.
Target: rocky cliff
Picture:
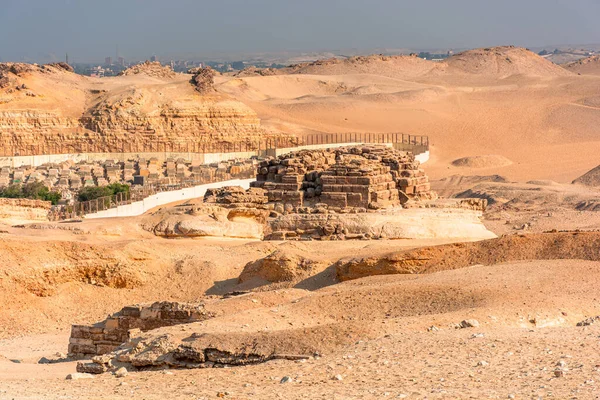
49	109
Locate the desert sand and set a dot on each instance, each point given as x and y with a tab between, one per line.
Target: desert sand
505	125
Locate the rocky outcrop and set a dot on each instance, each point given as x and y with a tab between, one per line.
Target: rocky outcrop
213	222
545	246
279	266
204	80
48	110
166	351
449	221
24	210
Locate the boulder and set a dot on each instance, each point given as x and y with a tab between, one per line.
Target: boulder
279	266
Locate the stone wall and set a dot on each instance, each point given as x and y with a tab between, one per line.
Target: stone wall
372	177
104	337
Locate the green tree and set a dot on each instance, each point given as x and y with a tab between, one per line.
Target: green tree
14	191
118	188
32	190
95	192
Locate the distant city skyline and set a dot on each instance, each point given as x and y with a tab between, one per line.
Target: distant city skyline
43	31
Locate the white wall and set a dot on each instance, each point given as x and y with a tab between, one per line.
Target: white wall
159	199
423	157
205	158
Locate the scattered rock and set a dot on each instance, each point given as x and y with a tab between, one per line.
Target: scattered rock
469	323
561	369
79	375
589	321
121	372
285	379
338	377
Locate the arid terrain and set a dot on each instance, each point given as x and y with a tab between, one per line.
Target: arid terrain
425	318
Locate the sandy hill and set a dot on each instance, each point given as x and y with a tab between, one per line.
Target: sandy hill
586	66
400	67
502	101
590	178
501	62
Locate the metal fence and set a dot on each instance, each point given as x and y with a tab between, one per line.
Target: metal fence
174	145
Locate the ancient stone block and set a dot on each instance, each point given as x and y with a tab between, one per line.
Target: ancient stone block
91	368
82	348
334	199
148	313
132	311
111	323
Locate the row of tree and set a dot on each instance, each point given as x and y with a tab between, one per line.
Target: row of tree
39	191
32	190
95	192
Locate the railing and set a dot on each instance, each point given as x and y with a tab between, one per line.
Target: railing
155	145
137	193
79	209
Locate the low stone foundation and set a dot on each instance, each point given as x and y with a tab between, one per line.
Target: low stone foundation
104	337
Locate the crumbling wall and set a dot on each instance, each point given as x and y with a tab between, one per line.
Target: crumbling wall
370	177
104	337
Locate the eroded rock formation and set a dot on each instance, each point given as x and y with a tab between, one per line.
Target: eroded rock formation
204	79
49	110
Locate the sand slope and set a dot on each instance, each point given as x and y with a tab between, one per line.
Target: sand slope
505	101
586	66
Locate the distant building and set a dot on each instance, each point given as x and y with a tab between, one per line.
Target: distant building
121	61
108	61
153	58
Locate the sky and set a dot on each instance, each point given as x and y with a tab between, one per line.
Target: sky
89	30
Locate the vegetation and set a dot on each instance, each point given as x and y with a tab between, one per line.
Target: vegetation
95	192
33	190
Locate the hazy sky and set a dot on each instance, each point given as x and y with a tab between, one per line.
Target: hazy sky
91	29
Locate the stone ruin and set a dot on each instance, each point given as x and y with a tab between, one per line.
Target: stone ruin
366	177
69	177
150	68
106	336
333	194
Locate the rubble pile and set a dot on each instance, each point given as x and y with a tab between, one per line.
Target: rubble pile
104	337
150	68
236	196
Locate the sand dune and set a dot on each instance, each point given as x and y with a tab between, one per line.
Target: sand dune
586	66
505	100
501	62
